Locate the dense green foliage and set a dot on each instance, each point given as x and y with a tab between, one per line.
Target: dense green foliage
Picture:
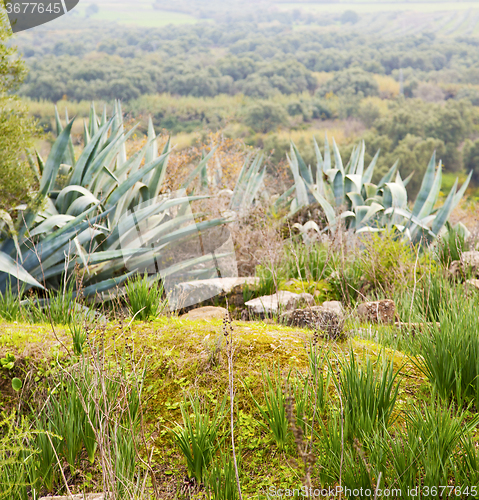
16	127
253	60
272	63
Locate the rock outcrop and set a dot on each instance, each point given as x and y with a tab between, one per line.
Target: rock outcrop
327	318
273	304
381	311
205	313
203	292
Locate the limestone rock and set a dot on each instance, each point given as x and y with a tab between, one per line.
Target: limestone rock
455	268
330	305
272	304
470	259
329	321
205	313
201	291
381	311
473	283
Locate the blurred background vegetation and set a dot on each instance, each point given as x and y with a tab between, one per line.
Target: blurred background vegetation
404	76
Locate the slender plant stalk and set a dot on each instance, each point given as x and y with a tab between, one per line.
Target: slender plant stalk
228	332
59	464
415	285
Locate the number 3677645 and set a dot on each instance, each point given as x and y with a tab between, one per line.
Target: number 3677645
33	7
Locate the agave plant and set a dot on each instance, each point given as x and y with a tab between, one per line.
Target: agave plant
346	193
86	205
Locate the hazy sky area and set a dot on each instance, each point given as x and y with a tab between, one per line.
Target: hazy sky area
449	17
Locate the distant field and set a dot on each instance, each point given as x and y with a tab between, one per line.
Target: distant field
404	18
370	7
140	13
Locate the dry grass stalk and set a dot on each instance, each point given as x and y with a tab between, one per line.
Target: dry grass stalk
228	333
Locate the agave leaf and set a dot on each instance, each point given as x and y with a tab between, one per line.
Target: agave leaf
152	146
47	225
408	216
370	190
374	208
352	183
408	178
110	151
432	196
445	211
93	121
54	161
198	169
390	174
49	176
395	195
248	184
353	161
87	155
338	162
303	169
123	188
60	201
9	266
319	159
106	285
7	219
361	212
338	188
327	153
157	176
56	240
86	135
284	197
360	165
326	206
81	204
356	199
253	187
460	193
368	175
301	193
426	186
130	220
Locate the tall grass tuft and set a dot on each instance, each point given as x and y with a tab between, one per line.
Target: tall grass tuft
10	308
433	295
221	480
145	299
274	410
438	434
450	351
198	437
452	245
369	395
16	458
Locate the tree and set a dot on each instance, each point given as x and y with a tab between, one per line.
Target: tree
349	16
471	158
353	81
265	116
16	127
91	10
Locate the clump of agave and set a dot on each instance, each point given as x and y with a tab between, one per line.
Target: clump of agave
85	206
346	194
